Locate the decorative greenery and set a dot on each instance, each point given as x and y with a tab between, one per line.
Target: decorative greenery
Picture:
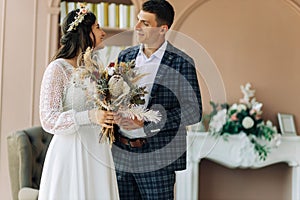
244	116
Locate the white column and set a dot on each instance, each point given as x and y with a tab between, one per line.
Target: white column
296	183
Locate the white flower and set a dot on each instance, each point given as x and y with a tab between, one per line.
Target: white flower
233	107
247	122
270	124
256	106
218	121
241	107
110	70
238	107
117	86
247	93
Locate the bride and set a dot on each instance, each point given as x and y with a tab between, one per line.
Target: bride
77	166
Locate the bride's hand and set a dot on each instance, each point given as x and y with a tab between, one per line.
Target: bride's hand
103	118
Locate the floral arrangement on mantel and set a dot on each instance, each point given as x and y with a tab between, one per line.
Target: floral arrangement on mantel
244	117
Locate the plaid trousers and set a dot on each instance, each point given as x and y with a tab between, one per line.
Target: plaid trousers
146	186
136	184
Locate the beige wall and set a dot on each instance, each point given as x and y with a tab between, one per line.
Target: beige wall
249	41
268	183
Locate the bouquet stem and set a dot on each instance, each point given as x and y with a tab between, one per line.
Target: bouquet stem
107	133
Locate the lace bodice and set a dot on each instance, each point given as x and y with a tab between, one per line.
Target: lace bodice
62	105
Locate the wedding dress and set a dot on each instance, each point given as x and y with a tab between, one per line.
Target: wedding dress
77	166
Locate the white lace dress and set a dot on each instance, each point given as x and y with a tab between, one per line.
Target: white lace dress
77	166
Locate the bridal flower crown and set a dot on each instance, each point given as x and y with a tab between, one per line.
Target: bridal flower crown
79	18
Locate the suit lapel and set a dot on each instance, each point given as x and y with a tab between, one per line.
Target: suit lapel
162	70
133	53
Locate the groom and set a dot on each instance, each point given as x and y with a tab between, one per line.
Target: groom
146	155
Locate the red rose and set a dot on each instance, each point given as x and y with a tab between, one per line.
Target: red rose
112	64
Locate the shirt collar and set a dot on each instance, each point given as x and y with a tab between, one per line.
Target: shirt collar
159	53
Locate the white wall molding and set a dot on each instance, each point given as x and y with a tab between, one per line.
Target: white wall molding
52	30
54	3
2	35
33	67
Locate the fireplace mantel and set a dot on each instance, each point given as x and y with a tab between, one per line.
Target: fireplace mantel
236	152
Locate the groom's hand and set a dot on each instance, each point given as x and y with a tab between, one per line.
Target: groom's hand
130	124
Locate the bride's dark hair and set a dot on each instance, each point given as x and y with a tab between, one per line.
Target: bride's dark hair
77	40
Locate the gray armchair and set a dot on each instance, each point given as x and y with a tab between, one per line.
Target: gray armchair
26	154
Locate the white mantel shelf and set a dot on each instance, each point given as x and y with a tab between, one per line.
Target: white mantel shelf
236	152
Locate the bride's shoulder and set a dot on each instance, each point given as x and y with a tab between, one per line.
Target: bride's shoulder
59	66
60	62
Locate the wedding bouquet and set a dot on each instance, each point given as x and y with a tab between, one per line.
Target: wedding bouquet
244	117
113	88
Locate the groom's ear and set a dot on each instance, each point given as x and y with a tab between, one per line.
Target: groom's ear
164	29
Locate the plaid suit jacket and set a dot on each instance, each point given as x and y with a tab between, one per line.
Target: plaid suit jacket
176	94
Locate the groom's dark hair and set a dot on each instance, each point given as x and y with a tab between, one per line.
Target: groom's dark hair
162	9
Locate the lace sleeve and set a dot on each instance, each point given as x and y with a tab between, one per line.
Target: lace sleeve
53	118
